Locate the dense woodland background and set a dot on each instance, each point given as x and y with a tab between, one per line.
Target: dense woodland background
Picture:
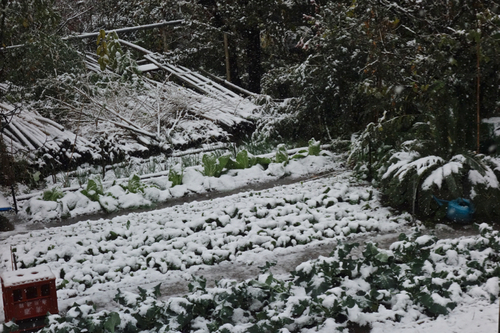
412	77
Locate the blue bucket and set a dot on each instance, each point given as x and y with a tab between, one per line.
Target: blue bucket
459	210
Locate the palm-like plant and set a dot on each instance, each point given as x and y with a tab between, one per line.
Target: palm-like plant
413	161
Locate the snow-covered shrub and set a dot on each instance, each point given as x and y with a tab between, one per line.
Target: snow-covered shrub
413	179
406	157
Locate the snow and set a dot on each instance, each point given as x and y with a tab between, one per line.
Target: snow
158	188
4	205
29	275
232	236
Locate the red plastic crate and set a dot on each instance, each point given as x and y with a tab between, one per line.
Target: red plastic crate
28	293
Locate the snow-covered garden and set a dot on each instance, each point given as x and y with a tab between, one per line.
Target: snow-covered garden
237	264
152	177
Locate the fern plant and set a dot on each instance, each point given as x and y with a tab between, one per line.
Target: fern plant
412	179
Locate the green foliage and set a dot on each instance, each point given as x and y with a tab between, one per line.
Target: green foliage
413	160
281	154
40	61
52	194
135	185
111	55
112	322
175	175
314	147
102	50
246	160
24	20
94	189
264	161
242	161
340	84
213	166
109	50
418	274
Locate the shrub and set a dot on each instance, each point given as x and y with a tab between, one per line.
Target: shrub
409	160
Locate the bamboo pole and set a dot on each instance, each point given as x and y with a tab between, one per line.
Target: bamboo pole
229	84
121	30
132	126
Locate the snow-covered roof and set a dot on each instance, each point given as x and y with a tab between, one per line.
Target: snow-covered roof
24	276
4	204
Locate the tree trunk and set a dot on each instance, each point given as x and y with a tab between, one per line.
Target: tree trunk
254	59
2	33
233	60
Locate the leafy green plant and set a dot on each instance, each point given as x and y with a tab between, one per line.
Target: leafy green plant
314	147
94	189
281	154
52	194
175	175
134	184
213	166
243	160
264	161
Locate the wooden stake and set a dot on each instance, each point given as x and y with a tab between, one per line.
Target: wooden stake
14	259
478	95
164	36
226	52
14	197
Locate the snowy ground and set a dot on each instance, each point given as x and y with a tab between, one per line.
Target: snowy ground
230	238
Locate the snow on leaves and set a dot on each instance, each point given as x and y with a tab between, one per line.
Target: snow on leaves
330	292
